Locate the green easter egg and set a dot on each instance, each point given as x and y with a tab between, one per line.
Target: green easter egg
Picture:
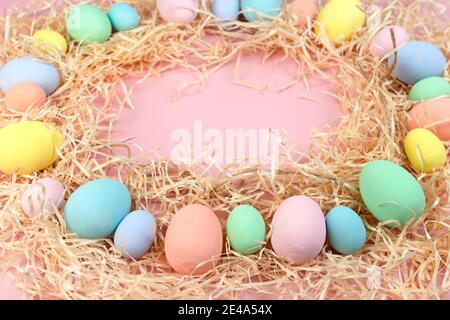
246	229
87	23
430	88
390	192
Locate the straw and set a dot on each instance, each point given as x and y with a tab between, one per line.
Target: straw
396	263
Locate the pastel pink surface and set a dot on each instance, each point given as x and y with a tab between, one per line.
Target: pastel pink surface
220	106
8	290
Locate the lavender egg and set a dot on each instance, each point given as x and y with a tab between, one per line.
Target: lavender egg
299	229
226	10
134	235
46	194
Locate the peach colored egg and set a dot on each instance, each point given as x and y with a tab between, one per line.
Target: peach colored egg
46	194
433	115
382	43
300	10
194	240
184	11
25	95
298	229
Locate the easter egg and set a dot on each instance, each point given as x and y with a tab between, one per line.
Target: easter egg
28	146
26	70
424	150
390	192
298	229
182	11
23	96
134	235
51	38
265	10
434	115
123	17
96	208
246	229
226	10
46	194
194	240
382	43
87	23
345	230
430	88
339	19
300	11
417	60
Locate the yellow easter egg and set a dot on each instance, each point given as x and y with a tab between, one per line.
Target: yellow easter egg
52	38
424	150
339	19
28	146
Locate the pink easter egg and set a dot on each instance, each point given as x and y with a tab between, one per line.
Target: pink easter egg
431	114
44	195
382	43
183	11
298	229
300	11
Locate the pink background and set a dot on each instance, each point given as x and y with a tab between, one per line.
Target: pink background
220	105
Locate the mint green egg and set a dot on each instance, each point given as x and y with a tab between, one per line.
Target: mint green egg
246	229
87	23
390	192
430	88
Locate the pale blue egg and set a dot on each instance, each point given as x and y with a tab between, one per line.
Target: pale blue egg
345	230
24	70
123	17
226	10
269	8
134	235
96	208
417	60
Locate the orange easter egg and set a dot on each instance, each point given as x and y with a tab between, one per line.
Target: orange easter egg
433	115
25	95
194	240
300	10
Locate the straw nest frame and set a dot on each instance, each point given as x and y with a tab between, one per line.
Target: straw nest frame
396	263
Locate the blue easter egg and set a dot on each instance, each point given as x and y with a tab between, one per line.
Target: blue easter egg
226	10
134	235
123	17
96	208
269	8
417	60
345	230
25	70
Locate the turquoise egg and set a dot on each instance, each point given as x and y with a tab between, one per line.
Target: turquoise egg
134	235
26	70
96	208
270	8
345	230
123	17
417	60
